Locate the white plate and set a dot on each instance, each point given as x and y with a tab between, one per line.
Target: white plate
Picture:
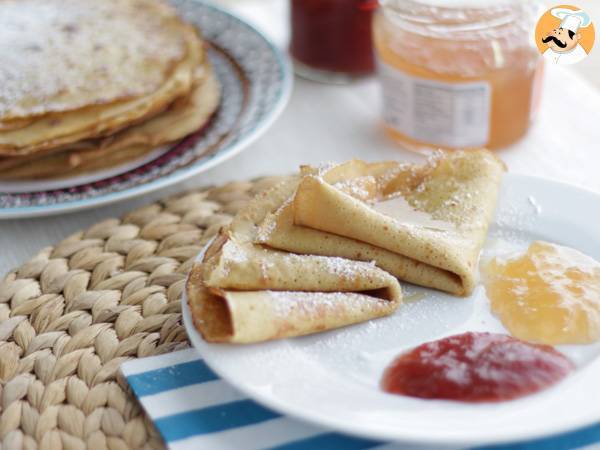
331	379
255	79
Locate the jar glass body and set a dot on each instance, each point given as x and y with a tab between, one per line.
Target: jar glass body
476	63
331	40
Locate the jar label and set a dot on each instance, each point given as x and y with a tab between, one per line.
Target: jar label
434	112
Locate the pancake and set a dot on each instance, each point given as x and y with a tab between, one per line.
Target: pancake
45	63
439	212
277	230
51	131
185	116
15	124
243	293
245	317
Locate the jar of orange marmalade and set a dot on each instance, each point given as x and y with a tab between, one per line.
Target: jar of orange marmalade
457	73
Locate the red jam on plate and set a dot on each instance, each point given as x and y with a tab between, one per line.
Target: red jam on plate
475	367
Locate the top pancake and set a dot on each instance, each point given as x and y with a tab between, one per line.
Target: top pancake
53	131
45	63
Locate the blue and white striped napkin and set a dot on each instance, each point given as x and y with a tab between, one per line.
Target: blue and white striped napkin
193	408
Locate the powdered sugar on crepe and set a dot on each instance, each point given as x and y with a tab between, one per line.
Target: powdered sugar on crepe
315	304
344	268
357	187
348	269
269	224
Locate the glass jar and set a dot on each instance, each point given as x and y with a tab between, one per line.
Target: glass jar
457	73
331	39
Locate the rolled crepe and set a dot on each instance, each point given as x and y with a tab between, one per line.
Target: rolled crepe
424	224
255	316
243	293
249	267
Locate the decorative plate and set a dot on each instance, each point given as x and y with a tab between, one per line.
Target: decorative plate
256	82
332	379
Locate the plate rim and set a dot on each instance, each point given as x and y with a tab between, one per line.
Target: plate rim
183	173
567	425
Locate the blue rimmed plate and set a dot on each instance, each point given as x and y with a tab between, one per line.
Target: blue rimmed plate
256	82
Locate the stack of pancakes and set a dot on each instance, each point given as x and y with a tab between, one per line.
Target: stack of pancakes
89	84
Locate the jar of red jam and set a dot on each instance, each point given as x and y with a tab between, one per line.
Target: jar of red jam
331	39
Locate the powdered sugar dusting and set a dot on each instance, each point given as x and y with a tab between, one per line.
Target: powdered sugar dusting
268	226
325	167
61	55
313	305
361	187
349	269
266	229
513	223
344	268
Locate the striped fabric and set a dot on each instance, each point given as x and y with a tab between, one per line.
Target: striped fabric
193	409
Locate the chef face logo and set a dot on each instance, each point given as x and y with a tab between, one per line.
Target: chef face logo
565	34
561	40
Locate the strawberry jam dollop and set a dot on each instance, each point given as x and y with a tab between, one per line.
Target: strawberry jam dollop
475	367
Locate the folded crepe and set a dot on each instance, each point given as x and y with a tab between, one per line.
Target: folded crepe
242	292
425	224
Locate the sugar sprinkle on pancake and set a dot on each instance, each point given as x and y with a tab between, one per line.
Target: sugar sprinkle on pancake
60	55
87	85
182	118
52	131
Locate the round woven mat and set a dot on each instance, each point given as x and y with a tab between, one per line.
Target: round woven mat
75	312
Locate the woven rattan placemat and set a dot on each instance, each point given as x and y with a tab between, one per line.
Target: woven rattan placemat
72	314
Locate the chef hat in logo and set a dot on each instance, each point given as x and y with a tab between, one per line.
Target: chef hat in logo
571	20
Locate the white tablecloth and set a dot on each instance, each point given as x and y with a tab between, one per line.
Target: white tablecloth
335	123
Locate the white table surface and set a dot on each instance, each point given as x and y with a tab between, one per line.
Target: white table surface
336	123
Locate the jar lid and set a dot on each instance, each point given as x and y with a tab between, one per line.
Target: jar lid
455	4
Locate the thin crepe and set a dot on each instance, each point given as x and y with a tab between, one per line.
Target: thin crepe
184	116
278	231
53	131
424	224
242	292
63	55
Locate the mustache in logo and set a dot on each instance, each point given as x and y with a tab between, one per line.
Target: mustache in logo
556	41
